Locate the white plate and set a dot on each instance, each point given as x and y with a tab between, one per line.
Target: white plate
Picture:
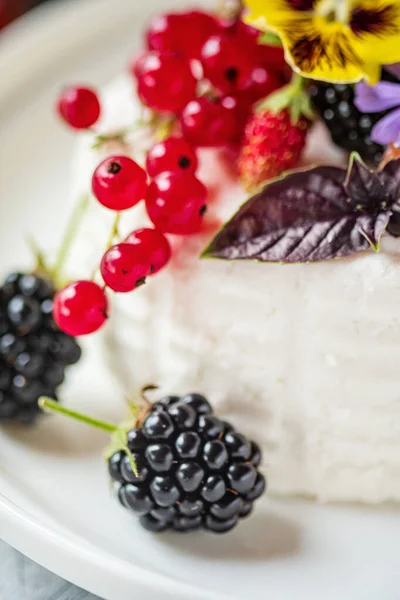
54	500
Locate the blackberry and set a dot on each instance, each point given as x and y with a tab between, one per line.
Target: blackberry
33	351
349	128
194	471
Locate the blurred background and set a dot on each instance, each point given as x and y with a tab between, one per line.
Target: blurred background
11	9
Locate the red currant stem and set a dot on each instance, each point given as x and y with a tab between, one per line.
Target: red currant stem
164	128
118	137
52	406
114	233
229	9
68	238
41	265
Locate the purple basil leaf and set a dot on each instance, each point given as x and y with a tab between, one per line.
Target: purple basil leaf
390	176
363	186
311	215
373	227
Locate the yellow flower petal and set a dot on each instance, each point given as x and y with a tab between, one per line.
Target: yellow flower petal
372	73
338	51
321	50
375	26
273	13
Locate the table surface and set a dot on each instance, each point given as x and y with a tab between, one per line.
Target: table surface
22	579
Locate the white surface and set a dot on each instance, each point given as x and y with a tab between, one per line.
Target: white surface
304	358
54	501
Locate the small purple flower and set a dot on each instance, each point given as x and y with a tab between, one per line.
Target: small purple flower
383	96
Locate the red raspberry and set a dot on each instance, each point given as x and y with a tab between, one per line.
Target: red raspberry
272	144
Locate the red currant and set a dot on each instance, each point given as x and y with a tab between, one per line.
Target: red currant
210	121
165	82
79	107
260	84
137	62
272	57
154	245
176	203
124	267
119	183
80	308
173	154
225	63
183	33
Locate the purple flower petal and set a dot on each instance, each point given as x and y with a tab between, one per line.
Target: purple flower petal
394	69
387	130
378	98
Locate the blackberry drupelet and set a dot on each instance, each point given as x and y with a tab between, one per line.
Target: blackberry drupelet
349	128
194	470
33	352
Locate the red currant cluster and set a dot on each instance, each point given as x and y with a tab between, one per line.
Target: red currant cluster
175	201
207	73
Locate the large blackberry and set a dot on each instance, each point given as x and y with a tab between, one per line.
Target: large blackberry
350	129
33	351
193	470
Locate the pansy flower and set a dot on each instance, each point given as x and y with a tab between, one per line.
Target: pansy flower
333	40
384	96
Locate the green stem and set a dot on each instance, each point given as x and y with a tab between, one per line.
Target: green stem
297	84
69	237
114	230
164	129
49	405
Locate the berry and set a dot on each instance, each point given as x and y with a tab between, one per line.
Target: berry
183	415
238	445
80	308
158	426
272	144
271	57
154	245
136	64
176	203
159	457
210	121
261	83
173	154
165	82
124	267
189	480
119	183
187	444
215	455
349	128
28	367
214	488
200	404
182	33
79	107
225	64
